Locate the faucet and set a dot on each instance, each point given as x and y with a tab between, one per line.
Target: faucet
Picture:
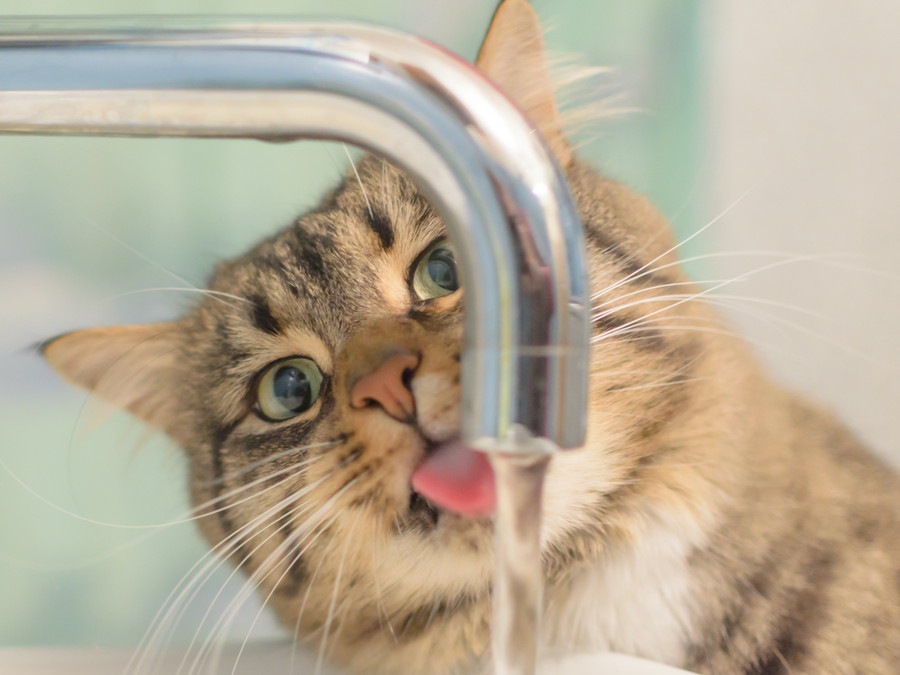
470	150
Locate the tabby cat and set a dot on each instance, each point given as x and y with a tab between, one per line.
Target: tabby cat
714	521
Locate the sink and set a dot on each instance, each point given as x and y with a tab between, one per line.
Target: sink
273	658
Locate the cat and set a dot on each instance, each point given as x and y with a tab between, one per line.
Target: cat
713	520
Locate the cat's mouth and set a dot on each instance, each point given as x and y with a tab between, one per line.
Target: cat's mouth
451	480
454	478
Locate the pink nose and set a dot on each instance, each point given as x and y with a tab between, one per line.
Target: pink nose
388	386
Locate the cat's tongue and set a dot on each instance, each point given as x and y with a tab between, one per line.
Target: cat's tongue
458	479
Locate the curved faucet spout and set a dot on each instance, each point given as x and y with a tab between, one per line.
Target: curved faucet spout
471	151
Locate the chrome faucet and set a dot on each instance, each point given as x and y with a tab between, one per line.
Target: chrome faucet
473	154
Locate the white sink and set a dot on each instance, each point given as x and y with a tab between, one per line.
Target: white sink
272	659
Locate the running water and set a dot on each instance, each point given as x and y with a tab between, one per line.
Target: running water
518	575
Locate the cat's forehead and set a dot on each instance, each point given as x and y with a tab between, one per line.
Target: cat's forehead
337	265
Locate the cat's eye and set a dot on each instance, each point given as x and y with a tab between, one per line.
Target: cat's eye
436	274
288	388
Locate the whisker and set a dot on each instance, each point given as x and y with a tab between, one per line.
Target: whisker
177	289
261	572
290	550
383	617
171	611
131	249
694	296
186	518
650	289
296	545
288	472
268	460
653	299
359	180
845	348
710	296
329	617
661	385
297	622
723	300
156	528
643	269
384	199
229	545
638	329
711	299
834	260
225	620
296	554
310	585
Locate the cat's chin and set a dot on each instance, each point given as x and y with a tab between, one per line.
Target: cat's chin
422	513
424	519
441	529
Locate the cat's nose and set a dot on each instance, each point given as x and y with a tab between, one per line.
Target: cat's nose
389	386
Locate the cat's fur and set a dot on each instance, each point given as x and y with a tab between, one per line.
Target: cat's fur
714	521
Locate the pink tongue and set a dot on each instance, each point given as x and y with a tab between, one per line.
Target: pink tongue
457	478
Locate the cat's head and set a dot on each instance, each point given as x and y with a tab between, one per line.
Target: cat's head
325	366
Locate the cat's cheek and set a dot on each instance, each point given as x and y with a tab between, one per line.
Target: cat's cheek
437	405
578	481
374	464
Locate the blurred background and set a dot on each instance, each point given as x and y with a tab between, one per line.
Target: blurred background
768	133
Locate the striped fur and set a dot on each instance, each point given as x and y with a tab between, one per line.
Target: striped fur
713	521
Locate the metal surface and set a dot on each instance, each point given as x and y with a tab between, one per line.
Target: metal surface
473	154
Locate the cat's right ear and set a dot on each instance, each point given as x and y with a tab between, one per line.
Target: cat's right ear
514	56
131	367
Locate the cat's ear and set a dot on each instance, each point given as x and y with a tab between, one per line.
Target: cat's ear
131	367
513	55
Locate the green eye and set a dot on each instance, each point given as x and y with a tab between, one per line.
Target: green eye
436	275
289	388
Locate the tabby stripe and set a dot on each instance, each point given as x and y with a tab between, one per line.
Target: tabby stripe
381	226
297	570
311	255
263	318
221	504
805	616
276	440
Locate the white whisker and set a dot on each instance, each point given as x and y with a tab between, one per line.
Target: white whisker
359	180
177	289
329	617
229	545
693	296
225	620
295	555
275	456
189	515
643	269
384	197
261	572
131	249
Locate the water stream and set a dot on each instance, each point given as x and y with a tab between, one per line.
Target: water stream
518	575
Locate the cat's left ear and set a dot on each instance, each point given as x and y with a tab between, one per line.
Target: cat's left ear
131	367
513	55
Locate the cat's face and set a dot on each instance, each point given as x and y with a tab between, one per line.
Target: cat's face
325	366
328	388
